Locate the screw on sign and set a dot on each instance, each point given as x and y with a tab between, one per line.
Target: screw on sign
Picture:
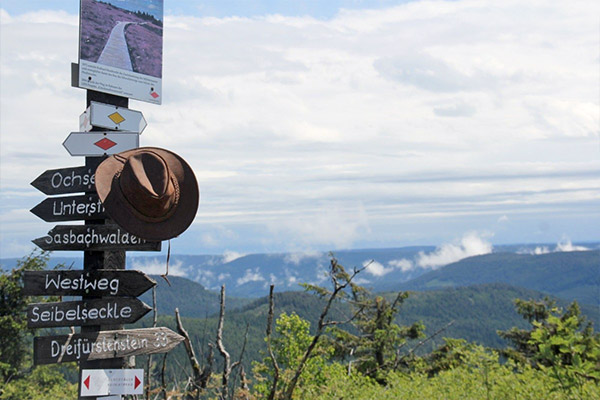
102	382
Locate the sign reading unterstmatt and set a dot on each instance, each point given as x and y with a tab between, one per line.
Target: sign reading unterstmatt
120	48
102	382
108	116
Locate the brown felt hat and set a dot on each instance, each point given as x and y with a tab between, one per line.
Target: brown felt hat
152	193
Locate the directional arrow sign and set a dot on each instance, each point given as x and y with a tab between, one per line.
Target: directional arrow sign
111	117
98	282
100	143
101	382
66	180
111	311
93	237
70	208
104	344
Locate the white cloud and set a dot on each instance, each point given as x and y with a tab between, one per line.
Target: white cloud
471	244
230	256
566	245
375	126
376	269
297	257
155	266
250	276
403	264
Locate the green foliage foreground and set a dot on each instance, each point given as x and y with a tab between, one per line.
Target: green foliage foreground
558	357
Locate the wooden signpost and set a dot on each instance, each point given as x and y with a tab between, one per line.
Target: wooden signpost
100	282
105	311
103	345
93	237
107	291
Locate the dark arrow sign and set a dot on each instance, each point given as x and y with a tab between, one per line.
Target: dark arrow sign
99	282
70	208
104	344
66	180
111	311
93	237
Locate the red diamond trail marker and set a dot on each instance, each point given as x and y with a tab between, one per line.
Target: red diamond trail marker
105	144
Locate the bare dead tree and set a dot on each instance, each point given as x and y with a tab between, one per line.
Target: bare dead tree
340	280
276	370
196	370
227	366
240	367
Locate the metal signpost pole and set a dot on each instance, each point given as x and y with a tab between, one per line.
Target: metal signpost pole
93	260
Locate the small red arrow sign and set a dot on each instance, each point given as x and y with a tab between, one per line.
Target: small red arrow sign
87	382
100	143
137	382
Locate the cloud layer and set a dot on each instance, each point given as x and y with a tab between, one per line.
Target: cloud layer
386	127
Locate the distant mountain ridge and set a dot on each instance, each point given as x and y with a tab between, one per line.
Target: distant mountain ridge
569	275
565	274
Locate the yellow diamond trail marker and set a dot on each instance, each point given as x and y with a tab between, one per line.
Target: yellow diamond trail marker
116	118
106	116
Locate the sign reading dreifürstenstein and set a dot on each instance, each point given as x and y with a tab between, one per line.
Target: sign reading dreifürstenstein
93	237
120	48
102	345
97	282
110	311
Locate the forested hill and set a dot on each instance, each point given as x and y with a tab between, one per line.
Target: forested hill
476	313
190	297
571	276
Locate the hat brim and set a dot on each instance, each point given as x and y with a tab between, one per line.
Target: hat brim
120	210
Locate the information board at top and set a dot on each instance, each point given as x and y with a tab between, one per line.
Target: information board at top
121	47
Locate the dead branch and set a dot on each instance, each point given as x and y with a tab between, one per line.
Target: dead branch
221	348
197	372
276	370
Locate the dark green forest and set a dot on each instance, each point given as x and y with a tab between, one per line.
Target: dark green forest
486	341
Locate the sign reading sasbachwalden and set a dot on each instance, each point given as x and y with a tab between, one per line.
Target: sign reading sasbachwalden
120	48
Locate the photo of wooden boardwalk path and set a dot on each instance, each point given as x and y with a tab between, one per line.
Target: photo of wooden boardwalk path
115	52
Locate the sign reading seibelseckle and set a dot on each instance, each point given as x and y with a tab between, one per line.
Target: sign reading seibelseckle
120	48
109	311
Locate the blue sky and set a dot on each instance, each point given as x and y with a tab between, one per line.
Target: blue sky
341	124
222	8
